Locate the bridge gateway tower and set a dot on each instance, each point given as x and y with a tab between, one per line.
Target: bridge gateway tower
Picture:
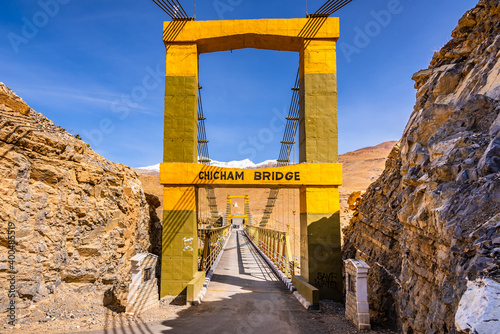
318	175
246	209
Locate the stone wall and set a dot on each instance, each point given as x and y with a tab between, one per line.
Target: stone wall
432	219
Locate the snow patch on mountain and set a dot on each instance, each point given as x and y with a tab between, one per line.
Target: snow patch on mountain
246	163
154	168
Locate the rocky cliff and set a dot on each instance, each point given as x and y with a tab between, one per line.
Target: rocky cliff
76	217
431	222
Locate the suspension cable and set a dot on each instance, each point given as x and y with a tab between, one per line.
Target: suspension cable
290	127
174	9
204	158
288	142
329	7
203	155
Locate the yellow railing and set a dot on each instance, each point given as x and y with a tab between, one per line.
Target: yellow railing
213	241
275	245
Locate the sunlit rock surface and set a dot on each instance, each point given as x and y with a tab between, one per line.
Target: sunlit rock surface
78	217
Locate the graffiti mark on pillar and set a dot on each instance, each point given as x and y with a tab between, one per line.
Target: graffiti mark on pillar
326	280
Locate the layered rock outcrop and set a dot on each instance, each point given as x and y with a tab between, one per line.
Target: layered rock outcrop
78	218
431	222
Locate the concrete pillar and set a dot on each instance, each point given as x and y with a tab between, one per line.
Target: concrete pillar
247	205
321	263
318	129
356	301
181	104
179	244
143	290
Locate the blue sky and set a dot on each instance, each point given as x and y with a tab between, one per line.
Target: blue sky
96	68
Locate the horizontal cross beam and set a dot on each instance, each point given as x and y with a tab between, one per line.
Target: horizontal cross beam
293	176
268	34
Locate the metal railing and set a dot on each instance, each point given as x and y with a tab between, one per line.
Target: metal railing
213	241
275	245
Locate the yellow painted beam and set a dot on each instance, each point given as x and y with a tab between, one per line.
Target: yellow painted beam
320	175
268	34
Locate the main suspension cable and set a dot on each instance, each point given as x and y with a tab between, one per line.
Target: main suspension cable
174	9
329	7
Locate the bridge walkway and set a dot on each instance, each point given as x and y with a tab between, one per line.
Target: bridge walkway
244	296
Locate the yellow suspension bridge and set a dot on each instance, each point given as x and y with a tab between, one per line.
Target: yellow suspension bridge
246	279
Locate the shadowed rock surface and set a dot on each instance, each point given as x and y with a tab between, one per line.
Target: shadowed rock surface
432	219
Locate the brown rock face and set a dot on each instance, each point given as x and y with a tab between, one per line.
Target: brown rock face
12	102
78	217
432	219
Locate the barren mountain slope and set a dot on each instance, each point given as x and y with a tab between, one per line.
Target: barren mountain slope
76	218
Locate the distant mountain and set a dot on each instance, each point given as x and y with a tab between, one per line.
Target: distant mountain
363	166
246	163
154	168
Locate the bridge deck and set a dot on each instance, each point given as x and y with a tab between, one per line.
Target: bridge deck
244	296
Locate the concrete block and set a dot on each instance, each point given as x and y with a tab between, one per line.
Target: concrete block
195	285
363	307
306	290
143	290
357	308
